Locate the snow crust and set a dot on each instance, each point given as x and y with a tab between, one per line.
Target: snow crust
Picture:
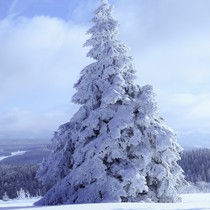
199	201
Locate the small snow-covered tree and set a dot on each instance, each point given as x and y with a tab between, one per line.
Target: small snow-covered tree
22	194
5	197
116	148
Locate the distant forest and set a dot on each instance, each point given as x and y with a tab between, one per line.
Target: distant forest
16	175
196	165
14	178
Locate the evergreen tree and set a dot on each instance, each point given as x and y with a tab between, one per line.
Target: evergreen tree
22	194
5	197
116	148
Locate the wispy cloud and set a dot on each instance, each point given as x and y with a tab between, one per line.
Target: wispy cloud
13	10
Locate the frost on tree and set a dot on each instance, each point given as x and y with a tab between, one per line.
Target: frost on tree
116	148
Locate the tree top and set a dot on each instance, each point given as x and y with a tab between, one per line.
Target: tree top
104	1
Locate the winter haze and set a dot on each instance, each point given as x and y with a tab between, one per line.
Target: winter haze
41	56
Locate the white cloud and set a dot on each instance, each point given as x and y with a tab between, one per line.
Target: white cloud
18	122
178	65
39	54
187	112
40	60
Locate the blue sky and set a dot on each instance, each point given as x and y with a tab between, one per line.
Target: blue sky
41	56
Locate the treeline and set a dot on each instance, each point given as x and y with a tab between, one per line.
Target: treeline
196	165
22	177
14	179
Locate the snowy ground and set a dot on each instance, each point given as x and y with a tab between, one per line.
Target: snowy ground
12	154
199	201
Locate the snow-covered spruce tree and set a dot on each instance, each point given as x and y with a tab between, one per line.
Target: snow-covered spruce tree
115	148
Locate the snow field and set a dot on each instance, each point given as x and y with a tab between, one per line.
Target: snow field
196	201
13	154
